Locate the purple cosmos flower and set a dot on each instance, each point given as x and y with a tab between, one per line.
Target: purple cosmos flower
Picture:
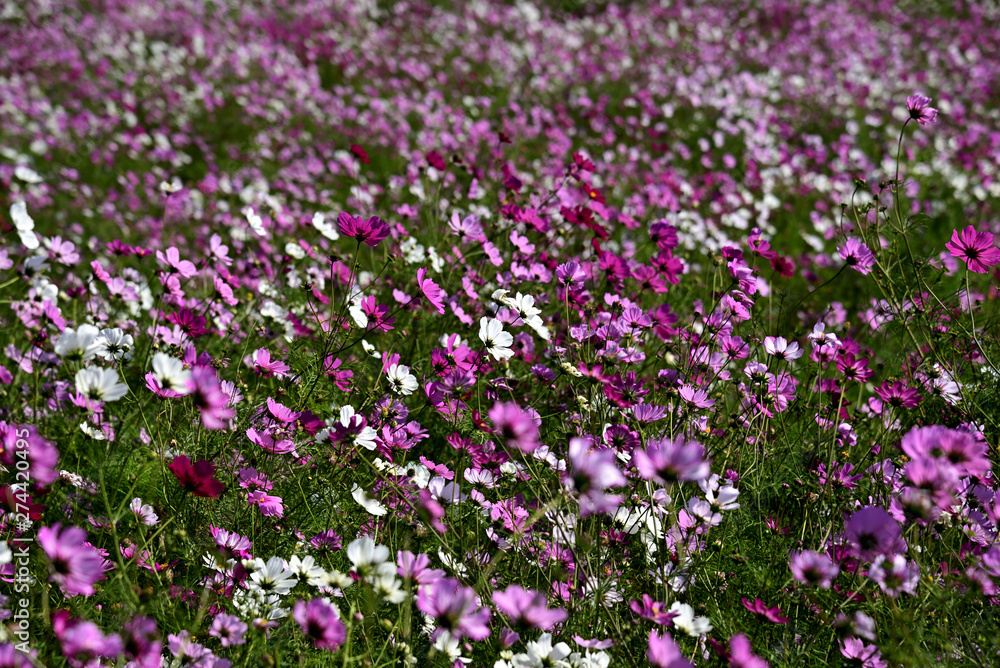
959	449
455	609
76	566
811	567
516	428
895	575
320	621
527	608
873	532
976	248
857	255
666	460
920	109
371	231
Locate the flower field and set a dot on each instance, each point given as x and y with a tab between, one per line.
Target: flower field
499	334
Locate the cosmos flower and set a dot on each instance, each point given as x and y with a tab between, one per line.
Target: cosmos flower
975	248
496	340
920	109
857	256
76	566
371	231
198	478
320	621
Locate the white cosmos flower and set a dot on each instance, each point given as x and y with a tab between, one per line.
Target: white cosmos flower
496	340
365	555
542	652
170	373
114	345
100	384
24	224
273	578
687	621
78	344
306	568
27	174
325	228
6	556
401	381
92	431
371	505
256	222
144	511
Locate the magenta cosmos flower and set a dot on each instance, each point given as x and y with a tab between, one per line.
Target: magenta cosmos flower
76	566
920	109
976	248
371	231
664	653
320	621
455	609
432	291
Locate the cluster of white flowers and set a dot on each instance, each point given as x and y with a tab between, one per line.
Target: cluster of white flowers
524	306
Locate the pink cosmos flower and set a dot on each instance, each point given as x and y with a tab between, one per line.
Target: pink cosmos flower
455	609
76	566
920	109
654	611
229	629
527	608
82	642
898	395
741	654
433	292
320	622
664	653
515	427
372	231
266	367
759	608
857	255
866	656
811	567
976	248
666	460
209	398
173	260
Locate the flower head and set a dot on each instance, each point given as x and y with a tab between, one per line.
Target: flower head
975	248
371	231
920	109
320	621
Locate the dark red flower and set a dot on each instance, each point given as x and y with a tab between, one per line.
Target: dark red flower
435	160
198	478
360	153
